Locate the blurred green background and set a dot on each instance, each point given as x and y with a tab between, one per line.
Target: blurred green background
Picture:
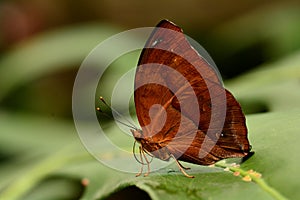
255	45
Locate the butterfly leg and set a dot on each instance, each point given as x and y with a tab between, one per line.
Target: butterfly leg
141	157
148	163
181	167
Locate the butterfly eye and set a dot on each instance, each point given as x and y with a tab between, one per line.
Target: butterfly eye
138	134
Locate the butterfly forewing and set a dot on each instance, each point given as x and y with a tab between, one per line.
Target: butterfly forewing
180	100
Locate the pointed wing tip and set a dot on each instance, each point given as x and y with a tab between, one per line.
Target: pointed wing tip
165	23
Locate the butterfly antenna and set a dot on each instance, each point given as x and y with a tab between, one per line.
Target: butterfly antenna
99	109
131	125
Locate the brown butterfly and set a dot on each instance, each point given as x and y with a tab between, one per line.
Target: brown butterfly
182	107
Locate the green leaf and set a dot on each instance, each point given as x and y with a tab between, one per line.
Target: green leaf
275	151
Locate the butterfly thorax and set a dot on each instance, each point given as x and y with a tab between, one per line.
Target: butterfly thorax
157	149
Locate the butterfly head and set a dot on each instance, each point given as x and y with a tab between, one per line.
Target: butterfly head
137	134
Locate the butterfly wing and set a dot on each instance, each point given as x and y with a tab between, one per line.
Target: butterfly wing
181	104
